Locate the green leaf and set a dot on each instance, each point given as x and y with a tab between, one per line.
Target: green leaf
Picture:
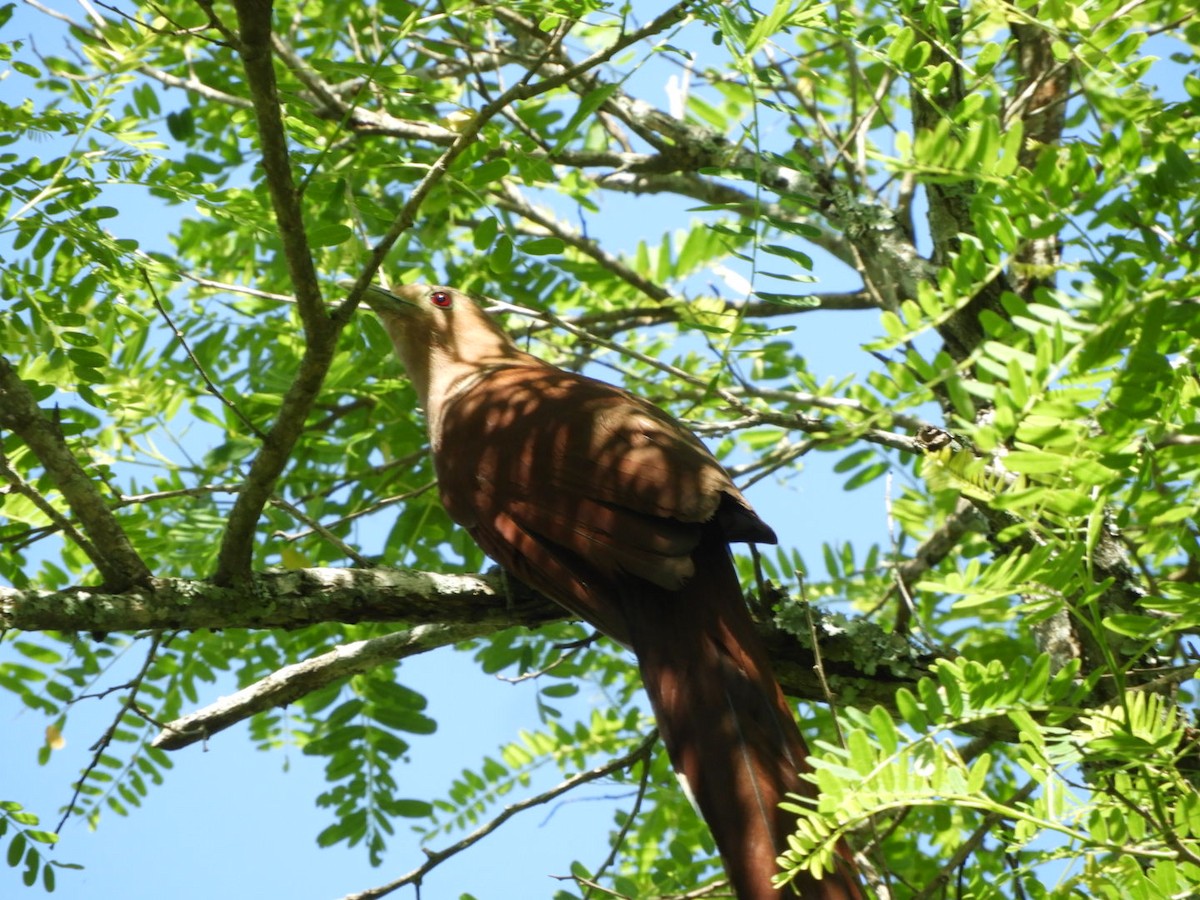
88	358
544	246
181	125
45	655
412	809
488	173
406	720
902	42
32	865
80	338
16	849
332	834
910	710
485	233
989	55
1133	626
500	259
329	234
803	260
978	774
797	300
866	475
588	104
885	730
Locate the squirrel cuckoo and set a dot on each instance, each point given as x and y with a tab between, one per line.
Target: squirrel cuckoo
610	507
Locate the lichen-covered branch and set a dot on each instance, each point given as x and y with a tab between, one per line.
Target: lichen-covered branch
292	682
434	609
278	599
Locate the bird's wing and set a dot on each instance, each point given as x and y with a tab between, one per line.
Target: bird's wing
588	468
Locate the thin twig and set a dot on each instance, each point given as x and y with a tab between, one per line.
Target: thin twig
238	289
643	785
406	462
204	376
797	421
176	32
315	526
513	201
437	857
936	547
937	885
200	490
101	745
358	514
568	650
818	663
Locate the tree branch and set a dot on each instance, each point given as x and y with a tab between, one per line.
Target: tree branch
1043	84
449	608
950	216
280	599
254	47
290	683
109	548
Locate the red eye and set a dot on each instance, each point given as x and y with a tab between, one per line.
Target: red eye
441	299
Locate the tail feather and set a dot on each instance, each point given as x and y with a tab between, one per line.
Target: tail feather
726	725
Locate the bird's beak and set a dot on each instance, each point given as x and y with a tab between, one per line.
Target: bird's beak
379	298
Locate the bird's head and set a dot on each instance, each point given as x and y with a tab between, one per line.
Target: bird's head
430	311
437	331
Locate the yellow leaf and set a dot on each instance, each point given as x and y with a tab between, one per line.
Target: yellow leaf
54	738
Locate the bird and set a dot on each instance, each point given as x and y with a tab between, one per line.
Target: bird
609	506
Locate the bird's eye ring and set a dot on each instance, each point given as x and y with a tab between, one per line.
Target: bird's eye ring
441	300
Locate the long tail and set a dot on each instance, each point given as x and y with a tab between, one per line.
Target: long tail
727	727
